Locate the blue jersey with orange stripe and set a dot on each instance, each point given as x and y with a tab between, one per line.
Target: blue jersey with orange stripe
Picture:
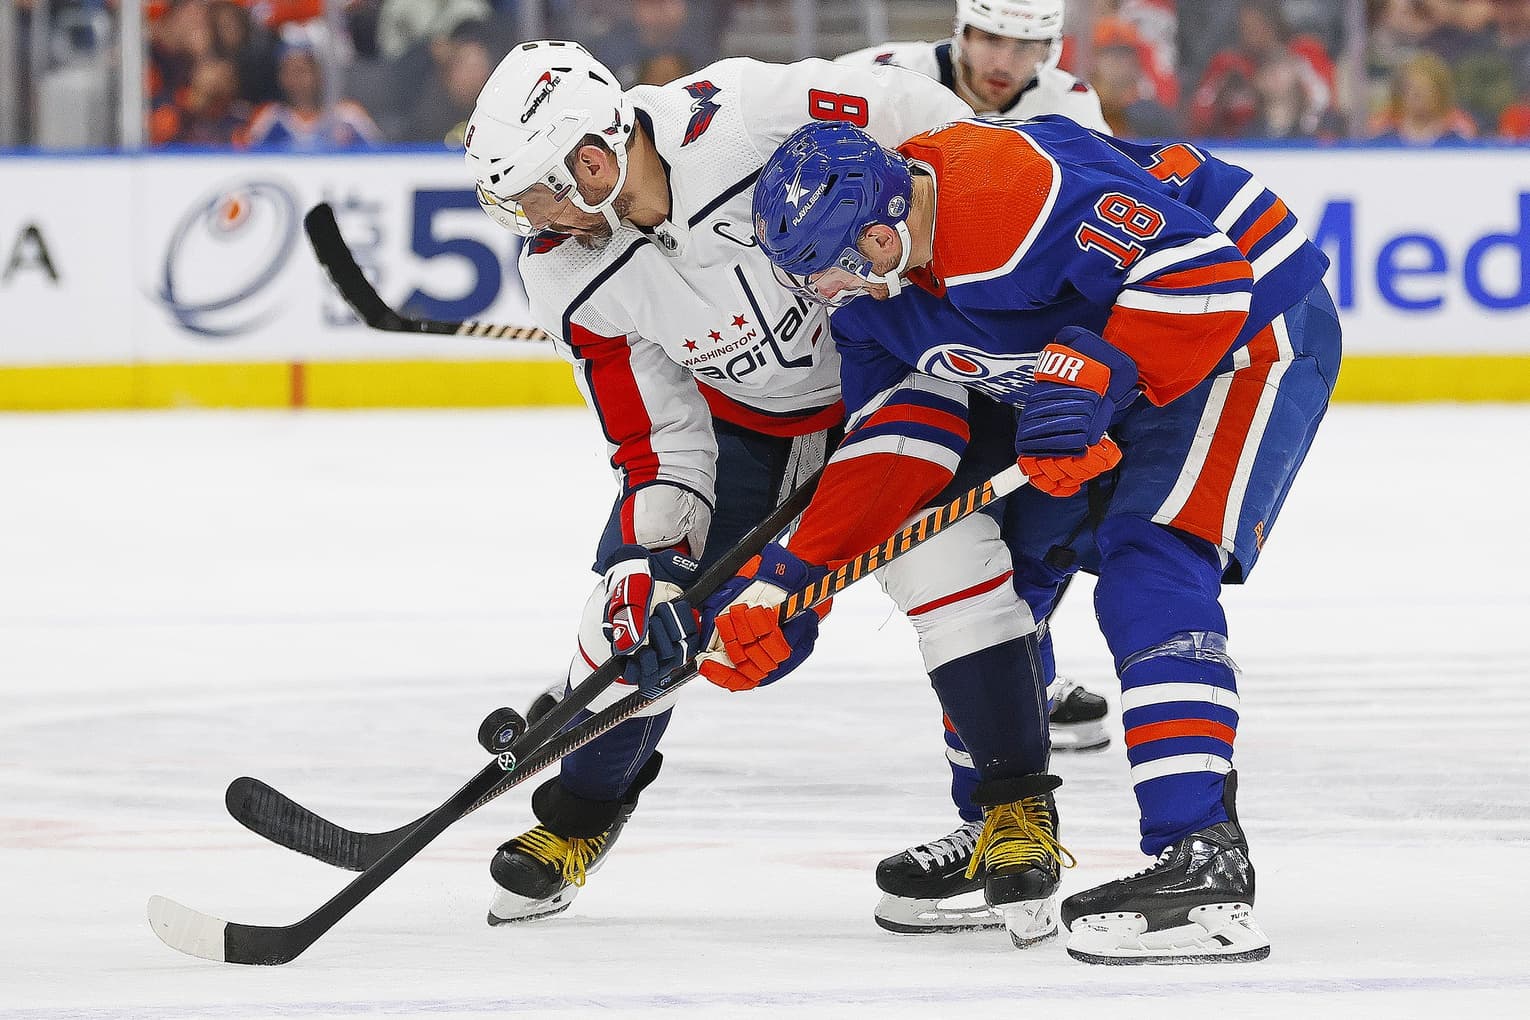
1175	257
1172	255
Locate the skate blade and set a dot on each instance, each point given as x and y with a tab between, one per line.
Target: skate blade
1079	737
1215	933
508	908
905	916
1030	921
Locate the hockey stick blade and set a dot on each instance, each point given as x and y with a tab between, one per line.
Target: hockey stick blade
272	815
269	813
212	938
335	256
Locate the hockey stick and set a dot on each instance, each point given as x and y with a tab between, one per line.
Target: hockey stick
197	934
276	817
170	921
335	256
273	815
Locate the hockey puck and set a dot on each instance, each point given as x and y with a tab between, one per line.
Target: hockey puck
499	729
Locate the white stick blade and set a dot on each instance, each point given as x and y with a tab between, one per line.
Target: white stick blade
187	930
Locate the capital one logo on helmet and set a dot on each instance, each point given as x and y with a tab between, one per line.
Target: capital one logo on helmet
546	83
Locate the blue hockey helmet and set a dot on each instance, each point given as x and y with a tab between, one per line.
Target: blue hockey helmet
816	196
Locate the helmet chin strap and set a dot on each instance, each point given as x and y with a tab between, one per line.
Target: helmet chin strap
607	206
893	278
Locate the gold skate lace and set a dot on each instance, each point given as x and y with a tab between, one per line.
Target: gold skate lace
572	856
1017	835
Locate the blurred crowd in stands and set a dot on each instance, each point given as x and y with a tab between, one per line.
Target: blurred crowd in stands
281	75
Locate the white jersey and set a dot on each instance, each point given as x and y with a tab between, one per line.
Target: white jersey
1052	91
671	327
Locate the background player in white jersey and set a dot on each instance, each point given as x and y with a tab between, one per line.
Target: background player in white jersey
1002	60
717	389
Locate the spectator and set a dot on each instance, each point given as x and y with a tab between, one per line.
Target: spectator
654	28
1125	87
1153	25
208	111
178	39
1397	30
1286	107
1480	60
663	68
250	46
298	122
403	23
1226	100
1512	19
1423	108
461	65
1462	29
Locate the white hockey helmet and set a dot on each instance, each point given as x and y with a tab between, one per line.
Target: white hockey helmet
536	109
1015	19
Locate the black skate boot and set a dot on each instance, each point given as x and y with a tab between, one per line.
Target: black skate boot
539	872
917	883
1195	904
1018	850
1077	722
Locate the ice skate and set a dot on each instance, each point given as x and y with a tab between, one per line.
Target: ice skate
1195	904
538	873
1077	720
925	889
1019	852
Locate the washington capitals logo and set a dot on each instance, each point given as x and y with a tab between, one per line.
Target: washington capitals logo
702	109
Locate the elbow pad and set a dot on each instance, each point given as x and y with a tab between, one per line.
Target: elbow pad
661	515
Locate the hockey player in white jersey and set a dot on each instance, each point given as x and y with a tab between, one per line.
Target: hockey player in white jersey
1002	60
717	389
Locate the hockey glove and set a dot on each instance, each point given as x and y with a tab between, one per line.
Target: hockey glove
747	646
1081	382
645	617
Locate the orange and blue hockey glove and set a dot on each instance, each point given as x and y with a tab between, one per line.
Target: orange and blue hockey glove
747	646
1081	383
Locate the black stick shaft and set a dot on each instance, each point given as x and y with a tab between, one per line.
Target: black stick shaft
335	256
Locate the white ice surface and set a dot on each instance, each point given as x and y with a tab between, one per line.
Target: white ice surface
331	602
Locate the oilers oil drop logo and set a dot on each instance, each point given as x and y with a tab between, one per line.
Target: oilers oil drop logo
1002	375
224	256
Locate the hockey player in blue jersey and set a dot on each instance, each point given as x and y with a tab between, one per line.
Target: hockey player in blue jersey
1159	320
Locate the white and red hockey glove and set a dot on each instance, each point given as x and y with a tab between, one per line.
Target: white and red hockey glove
645	617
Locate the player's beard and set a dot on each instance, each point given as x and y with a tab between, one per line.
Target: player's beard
596	238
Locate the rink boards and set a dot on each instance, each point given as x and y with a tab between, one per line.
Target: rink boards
185	280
